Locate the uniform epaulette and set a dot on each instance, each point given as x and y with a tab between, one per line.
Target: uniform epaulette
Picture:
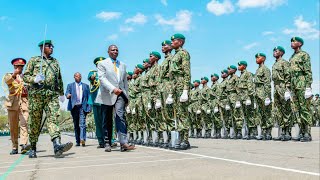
93	71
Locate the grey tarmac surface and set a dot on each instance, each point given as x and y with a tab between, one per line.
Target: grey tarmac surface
208	159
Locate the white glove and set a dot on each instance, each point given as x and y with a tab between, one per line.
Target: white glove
287	95
62	98
254	105
308	93
198	111
216	109
128	109
38	78
134	111
248	102
227	107
208	111
149	106
267	101
169	100
184	96
158	104
238	104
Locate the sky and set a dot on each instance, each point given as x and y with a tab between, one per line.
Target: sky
218	33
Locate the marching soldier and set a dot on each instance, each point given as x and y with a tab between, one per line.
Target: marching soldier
301	80
17	106
129	116
97	111
235	104
224	105
181	75
263	94
246	92
204	97
195	108
44	76
316	114
281	83
217	121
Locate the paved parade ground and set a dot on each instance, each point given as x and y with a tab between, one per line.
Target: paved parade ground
208	159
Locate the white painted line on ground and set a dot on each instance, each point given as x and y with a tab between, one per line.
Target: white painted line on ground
237	161
99	165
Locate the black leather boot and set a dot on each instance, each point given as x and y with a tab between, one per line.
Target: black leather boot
33	151
14	151
60	148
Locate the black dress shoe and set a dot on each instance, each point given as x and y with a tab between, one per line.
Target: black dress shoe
25	148
107	148
60	148
33	153
78	144
14	151
101	146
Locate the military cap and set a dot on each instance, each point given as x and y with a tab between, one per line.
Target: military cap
233	67
215	75
19	62
156	54
299	39
98	59
242	63
260	54
146	60
140	66
178	36
45	42
205	78
224	71
130	73
166	42
280	48
197	81
317	95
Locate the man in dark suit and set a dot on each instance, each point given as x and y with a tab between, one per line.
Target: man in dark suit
78	94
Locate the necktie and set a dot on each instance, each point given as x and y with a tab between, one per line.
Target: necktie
78	93
115	66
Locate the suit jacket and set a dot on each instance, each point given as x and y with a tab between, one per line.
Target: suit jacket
109	81
71	89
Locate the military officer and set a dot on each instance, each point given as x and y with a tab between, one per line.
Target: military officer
217	122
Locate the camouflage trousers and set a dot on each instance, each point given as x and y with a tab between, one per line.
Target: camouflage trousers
167	109
225	114
182	115
47	101
264	114
283	112
206	119
302	105
249	114
237	113
216	117
148	114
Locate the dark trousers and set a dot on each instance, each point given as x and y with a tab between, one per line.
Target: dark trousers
100	131
79	122
115	111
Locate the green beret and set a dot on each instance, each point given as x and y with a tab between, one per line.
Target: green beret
98	59
317	95
178	36
233	67
215	75
242	63
280	48
299	39
197	81
146	60
130	73
45	42
166	42
205	78
224	71
260	54
156	54
140	66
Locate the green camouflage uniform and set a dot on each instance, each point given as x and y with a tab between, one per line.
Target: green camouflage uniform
146	99
263	90
315	104
246	92
45	98
301	78
217	121
204	102
181	75
129	116
281	83
193	107
234	96
223	101
136	103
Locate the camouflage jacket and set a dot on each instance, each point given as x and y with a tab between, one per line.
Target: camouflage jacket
281	72
232	84
262	80
245	85
204	94
180	69
223	94
165	67
144	81
300	67
215	90
154	80
52	75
